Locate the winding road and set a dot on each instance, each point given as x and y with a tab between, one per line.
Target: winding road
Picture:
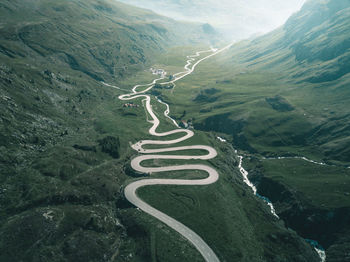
131	189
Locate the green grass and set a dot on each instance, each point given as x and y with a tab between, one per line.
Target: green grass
53	56
225	214
310	78
153	241
44	116
246	80
241	95
324	186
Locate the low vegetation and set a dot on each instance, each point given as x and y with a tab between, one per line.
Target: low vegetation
282	95
65	138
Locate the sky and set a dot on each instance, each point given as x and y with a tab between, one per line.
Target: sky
240	18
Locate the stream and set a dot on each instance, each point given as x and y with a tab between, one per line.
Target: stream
319	249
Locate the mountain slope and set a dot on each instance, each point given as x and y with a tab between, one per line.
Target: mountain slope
313	47
45	42
309	55
238	19
63	135
312	53
283	99
99	38
317	38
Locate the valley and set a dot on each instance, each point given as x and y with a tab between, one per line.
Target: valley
270	108
258	170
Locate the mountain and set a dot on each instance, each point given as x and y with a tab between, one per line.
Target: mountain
65	144
63	135
236	19
282	99
76	32
313	47
310	56
317	40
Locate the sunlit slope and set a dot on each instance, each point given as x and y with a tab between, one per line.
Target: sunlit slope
64	136
285	92
313	48
314	43
98	38
237	19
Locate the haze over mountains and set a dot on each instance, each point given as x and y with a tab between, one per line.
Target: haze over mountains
236	18
86	47
284	96
313	46
278	99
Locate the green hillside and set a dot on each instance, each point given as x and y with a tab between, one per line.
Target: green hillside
286	94
297	76
312	51
64	140
99	38
316	38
